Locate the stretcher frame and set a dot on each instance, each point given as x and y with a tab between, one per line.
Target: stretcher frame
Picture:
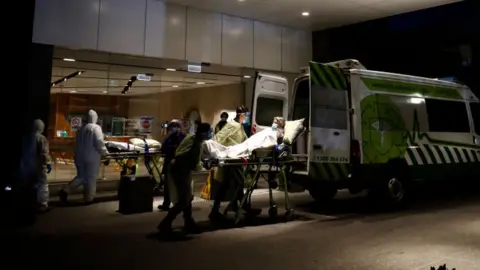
275	161
150	161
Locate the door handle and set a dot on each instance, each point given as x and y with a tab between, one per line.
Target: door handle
336	133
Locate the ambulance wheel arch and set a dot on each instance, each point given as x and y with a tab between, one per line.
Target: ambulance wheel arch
270	99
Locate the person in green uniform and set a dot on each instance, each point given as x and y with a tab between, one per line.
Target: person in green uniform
231	134
187	159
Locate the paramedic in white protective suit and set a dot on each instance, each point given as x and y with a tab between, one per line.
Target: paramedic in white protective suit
89	149
36	163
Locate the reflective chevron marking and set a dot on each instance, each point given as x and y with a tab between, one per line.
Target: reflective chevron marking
327	76
329	171
427	154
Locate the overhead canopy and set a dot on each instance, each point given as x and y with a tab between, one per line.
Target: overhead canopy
323	14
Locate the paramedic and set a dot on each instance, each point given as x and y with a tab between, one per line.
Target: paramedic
169	146
89	149
231	134
187	159
222	122
36	164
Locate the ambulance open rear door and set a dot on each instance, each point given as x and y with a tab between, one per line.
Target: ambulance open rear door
270	99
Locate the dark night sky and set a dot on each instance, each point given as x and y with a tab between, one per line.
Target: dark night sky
423	43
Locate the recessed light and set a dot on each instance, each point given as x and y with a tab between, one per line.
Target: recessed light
73	91
246	76
69	59
305	13
174	86
171	69
241	0
104	92
200	82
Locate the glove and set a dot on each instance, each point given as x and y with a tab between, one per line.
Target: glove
49	168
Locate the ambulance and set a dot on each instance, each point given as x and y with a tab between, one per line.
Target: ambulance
373	131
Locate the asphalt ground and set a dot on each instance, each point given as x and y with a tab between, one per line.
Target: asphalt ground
350	232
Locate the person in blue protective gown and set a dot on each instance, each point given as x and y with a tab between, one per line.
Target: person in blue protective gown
36	164
187	159
89	149
169	146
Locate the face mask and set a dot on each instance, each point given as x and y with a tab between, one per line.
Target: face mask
224	119
174	130
246	121
274	126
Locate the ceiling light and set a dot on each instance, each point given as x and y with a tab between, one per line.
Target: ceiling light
171	69
174	86
69	59
104	92
241	0
246	76
305	14
200	82
73	91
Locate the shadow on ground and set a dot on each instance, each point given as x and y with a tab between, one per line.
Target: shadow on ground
207	226
421	199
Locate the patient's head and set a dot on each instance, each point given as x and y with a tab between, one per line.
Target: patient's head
279	122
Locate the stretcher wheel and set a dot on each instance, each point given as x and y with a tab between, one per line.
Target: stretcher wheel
289	215
273	212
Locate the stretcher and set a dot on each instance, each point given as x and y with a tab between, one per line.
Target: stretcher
128	161
278	162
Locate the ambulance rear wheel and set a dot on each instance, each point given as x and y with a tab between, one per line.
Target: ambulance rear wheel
322	191
392	192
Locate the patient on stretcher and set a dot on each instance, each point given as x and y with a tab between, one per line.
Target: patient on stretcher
266	138
134	144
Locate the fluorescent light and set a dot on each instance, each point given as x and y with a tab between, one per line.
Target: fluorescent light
416	100
305	14
73	91
174	86
69	59
246	76
171	69
200	82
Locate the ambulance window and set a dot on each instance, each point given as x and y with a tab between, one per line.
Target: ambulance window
301	102
447	116
475	109
267	109
329	109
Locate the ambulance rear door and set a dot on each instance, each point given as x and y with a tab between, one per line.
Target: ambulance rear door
270	99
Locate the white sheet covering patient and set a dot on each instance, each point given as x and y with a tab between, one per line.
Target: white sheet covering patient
263	139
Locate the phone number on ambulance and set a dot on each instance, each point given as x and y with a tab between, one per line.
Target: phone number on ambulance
330	159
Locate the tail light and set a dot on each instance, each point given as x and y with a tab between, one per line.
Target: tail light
354	152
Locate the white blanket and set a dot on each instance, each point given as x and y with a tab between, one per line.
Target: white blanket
263	139
131	147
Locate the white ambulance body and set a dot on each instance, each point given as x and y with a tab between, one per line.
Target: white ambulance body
372	130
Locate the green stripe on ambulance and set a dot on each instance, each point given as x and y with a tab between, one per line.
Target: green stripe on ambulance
327	76
329	171
430	154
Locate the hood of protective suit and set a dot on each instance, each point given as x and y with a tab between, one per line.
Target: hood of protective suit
38	126
92	117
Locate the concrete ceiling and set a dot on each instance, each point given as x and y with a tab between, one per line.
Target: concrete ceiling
323	13
104	73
